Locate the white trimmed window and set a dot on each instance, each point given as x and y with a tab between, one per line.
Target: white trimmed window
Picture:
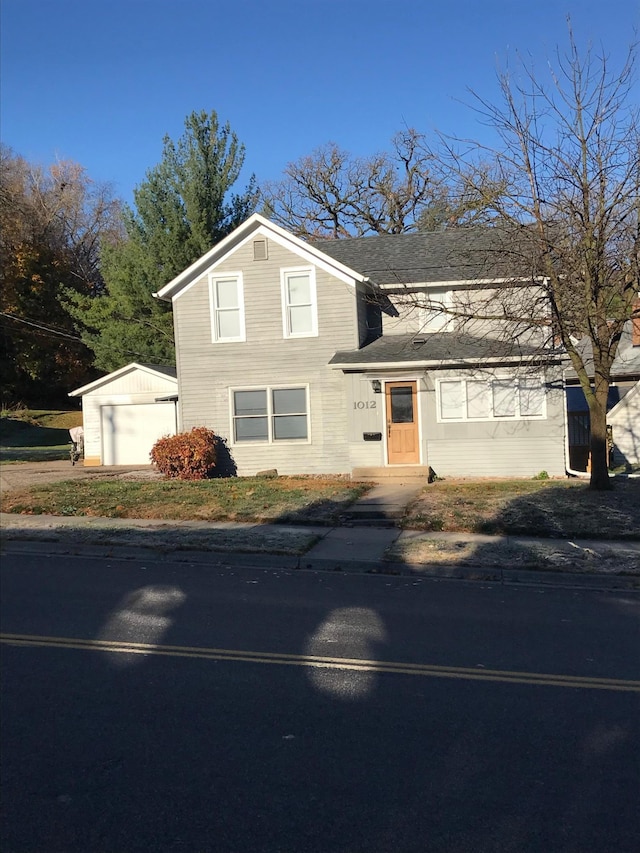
434	313
270	414
226	300
299	308
491	399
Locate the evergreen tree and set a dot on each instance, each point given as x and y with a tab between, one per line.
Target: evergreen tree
184	206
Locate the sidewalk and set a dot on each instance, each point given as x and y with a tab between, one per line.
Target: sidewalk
367	540
361	549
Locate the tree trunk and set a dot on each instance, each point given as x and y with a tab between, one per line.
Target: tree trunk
599	451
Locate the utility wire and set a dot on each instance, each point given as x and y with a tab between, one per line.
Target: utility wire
49	330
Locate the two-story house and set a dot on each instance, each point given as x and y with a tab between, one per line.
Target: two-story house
347	356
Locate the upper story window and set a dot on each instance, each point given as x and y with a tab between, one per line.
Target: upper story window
436	304
227	307
491	399
299	306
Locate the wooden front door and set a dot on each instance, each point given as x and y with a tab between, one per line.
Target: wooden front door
402	423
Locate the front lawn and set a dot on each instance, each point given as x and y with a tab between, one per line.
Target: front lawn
550	508
284	499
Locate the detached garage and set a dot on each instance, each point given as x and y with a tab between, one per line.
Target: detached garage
126	412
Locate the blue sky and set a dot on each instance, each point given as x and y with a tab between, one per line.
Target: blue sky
102	82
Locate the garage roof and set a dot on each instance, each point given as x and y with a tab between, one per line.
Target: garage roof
163	371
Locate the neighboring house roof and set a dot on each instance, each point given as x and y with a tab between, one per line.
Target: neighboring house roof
455	254
626	364
622	405
434	349
252	226
163	370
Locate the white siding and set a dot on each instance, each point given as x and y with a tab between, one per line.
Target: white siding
499	448
208	370
624	419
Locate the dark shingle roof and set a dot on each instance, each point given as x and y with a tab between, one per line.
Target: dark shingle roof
448	347
456	254
626	364
167	369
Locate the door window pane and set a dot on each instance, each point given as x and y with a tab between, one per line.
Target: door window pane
401	405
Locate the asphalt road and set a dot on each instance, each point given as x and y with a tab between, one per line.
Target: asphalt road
160	707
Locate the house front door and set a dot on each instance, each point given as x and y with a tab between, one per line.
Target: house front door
402	423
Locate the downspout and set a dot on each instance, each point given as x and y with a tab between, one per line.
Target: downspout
571	472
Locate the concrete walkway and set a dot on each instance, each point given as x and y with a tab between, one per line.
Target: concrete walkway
366	541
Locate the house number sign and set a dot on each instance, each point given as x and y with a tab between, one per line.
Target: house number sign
365	404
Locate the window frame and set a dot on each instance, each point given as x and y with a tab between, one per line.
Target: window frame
492	418
270	415
285	274
214	278
443	319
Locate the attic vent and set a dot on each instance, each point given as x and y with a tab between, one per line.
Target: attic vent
260	250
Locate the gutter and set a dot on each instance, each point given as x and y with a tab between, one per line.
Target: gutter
439	364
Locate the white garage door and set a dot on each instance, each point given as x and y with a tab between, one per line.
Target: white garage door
130	431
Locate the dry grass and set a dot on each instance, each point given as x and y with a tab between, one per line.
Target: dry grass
552	508
284	499
541	555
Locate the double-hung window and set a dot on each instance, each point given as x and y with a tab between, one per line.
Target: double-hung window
435	310
299	308
491	399
270	414
226	302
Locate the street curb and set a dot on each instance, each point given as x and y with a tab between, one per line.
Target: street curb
255	560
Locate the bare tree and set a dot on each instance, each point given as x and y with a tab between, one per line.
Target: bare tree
330	194
568	167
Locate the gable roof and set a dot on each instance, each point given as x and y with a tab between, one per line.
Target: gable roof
455	254
626	364
624	403
257	224
161	370
445	349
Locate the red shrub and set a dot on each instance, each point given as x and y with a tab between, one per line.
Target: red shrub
186	456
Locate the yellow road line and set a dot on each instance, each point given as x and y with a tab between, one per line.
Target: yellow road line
353	664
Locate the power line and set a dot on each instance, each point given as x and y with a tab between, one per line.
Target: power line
49	330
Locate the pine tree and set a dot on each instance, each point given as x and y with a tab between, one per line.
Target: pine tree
183	207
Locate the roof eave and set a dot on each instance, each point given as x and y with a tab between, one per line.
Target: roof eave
251	224
109	377
440	363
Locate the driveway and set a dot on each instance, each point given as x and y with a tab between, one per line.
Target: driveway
19	475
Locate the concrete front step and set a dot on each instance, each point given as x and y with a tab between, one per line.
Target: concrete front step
391	472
